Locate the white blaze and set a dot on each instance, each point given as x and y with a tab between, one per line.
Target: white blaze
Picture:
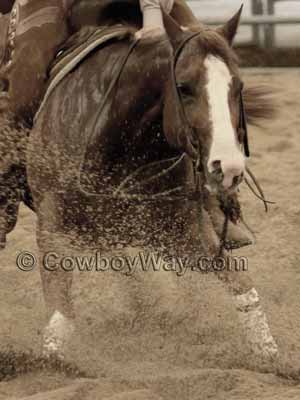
224	146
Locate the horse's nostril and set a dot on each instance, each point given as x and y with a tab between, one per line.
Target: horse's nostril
215	165
236	180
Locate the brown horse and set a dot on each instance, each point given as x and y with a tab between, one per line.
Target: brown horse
137	167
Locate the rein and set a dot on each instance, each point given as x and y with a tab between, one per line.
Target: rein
177	94
172	194
119	193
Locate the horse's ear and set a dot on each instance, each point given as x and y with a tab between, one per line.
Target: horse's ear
229	30
174	31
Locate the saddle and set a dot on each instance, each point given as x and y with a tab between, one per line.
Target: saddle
77	48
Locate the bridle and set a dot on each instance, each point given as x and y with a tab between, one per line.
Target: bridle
185	122
242	132
120	193
242	126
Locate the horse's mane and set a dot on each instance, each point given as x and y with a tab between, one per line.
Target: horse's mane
259	103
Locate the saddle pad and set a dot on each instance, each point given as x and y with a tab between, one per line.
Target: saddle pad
67	60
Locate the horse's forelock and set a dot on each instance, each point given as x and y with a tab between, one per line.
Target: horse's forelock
209	41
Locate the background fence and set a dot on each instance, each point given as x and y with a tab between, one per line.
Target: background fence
267	23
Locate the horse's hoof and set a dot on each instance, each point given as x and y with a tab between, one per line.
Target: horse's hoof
56	336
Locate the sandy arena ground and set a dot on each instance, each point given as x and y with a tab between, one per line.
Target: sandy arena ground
163	337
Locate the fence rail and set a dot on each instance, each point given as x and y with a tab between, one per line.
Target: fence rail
258	20
263	21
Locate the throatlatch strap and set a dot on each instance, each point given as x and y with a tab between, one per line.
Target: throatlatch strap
243	126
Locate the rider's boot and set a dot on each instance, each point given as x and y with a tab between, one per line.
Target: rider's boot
35	31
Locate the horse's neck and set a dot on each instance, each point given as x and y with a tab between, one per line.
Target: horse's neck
133	132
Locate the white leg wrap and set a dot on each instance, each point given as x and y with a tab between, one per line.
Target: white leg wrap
255	324
56	335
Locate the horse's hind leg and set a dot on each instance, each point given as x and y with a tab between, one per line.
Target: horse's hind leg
56	281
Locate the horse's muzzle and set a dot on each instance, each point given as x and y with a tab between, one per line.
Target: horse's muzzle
225	176
225	179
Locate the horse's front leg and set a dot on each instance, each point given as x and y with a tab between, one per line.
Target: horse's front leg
241	287
56	280
251	313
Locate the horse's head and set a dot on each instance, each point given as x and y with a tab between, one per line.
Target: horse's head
203	101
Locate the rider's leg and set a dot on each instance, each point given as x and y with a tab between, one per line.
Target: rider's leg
153	24
152	15
36	30
30	36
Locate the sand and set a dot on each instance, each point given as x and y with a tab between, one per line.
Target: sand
158	336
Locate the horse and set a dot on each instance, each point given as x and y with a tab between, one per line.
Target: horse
128	148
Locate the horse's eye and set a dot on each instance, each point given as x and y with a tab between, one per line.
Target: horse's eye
185	89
